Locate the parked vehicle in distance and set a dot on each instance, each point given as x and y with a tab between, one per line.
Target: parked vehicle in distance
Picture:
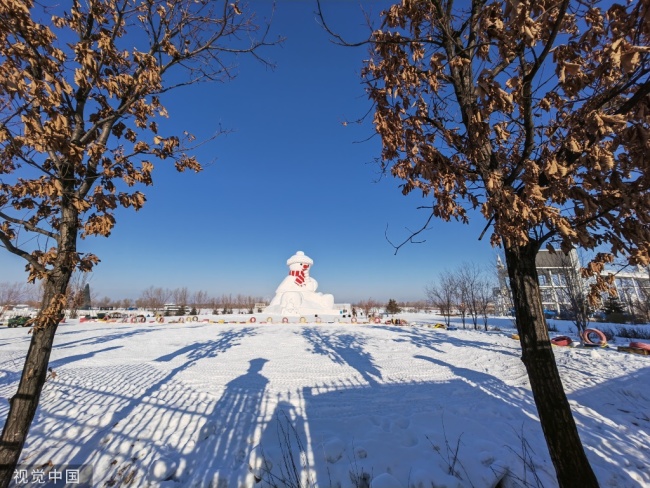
18	321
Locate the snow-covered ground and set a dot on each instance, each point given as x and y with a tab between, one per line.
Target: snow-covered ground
320	405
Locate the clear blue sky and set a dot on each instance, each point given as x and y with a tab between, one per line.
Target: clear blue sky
289	176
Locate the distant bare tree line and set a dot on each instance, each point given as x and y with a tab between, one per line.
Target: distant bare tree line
371	306
14	293
466	291
155	298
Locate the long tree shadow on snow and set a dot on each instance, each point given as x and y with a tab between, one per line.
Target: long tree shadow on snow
347	435
430	338
620	407
344	349
101	339
128	424
10	376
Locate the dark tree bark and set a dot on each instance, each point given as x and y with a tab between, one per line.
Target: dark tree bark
568	456
24	403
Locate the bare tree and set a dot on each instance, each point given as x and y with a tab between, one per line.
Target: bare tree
532	111
76	294
368	306
469	277
227	303
180	296
14	293
574	292
154	298
442	294
484	299
200	300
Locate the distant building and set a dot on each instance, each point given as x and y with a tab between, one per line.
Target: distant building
632	286
560	281
172	308
501	295
558	275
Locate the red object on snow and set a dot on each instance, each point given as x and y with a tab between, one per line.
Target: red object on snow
562	341
640	345
599	340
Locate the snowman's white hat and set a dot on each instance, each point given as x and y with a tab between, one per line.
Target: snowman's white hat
299	257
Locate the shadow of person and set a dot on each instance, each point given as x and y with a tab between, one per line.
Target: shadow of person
228	434
281	458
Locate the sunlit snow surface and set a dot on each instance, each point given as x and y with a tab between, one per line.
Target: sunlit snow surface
321	405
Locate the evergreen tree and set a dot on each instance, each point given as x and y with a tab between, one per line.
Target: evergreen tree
86	298
392	307
612	305
614	311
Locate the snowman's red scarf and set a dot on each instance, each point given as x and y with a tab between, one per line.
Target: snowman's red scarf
300	276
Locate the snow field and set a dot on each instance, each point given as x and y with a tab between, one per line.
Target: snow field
321	405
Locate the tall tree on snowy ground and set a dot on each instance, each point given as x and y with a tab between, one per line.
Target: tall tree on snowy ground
80	88
534	112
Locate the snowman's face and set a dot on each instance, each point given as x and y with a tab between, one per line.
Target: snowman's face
305	266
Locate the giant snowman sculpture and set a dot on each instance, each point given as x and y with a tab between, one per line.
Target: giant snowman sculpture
297	294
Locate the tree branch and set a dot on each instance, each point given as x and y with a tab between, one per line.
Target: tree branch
6	243
413	234
29	226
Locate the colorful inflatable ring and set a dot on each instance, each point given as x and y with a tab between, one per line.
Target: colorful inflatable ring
640	345
285	320
377	320
160	319
252	320
354	320
561	341
181	320
194	318
269	320
587	337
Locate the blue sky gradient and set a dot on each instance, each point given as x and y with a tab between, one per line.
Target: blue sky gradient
288	176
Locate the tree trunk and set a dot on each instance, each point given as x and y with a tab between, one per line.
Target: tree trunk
564	445
23	405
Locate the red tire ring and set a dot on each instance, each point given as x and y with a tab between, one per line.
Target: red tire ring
285	320
586	336
640	345
377	320
252	320
160	320
562	341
